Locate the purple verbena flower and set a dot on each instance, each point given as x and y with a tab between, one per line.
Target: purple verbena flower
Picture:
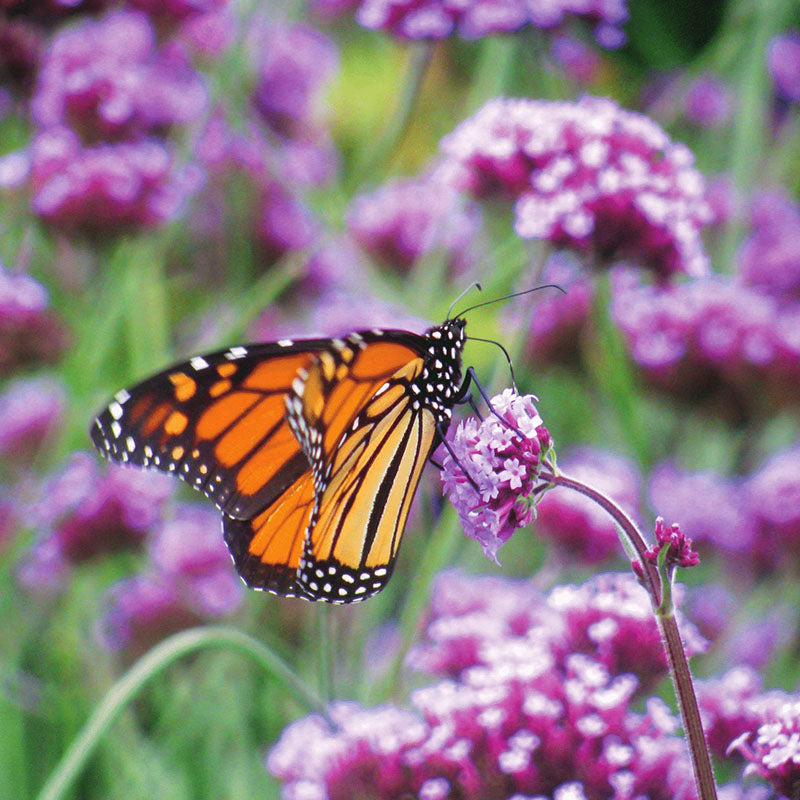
610	617
773	499
708	102
587	175
189	551
579	528
677	544
30	332
470	613
88	511
122	185
770	257
503	456
108	80
31	413
209	34
283	222
188	580
294	64
580	62
713	340
473	19
140	611
521	721
727	706
406	220
773	750
783	59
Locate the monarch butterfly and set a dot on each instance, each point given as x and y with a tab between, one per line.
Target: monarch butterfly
311	449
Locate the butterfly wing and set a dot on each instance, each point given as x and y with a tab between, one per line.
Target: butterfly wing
216	421
367	440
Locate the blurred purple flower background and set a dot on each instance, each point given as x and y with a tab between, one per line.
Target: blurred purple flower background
182	176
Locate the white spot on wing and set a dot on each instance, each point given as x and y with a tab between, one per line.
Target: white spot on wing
115	409
116	429
122	395
198	362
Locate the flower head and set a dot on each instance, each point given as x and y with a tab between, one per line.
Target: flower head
770	257
773	497
30	332
524	716
294	65
676	543
473	19
783	59
84	511
31	412
106	186
589	176
502	456
773	750
405	220
708	102
108	80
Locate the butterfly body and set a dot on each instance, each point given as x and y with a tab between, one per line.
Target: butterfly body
311	449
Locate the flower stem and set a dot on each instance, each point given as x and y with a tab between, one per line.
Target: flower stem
673	644
374	163
152	664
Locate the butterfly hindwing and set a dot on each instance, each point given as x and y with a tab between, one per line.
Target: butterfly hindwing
216	421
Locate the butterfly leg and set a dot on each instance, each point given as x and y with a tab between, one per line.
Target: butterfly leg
465	396
447	446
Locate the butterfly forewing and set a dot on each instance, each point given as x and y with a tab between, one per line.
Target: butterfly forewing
217	421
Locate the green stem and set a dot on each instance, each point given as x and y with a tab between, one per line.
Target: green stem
373	165
754	96
152	664
673	644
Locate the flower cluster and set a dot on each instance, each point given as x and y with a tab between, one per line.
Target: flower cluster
30	332
106	96
473	19
770	258
31	412
609	617
783	58
188	579
406	220
732	704
678	546
574	523
294	64
755	519
495	469
712	341
589	176
773	750
526	714
85	510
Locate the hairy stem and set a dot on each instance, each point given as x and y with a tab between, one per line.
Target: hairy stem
673	644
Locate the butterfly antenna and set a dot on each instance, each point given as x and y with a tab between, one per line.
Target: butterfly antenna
505	353
508	297
473	285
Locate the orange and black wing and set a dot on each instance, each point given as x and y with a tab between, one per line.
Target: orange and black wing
217	421
367	439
